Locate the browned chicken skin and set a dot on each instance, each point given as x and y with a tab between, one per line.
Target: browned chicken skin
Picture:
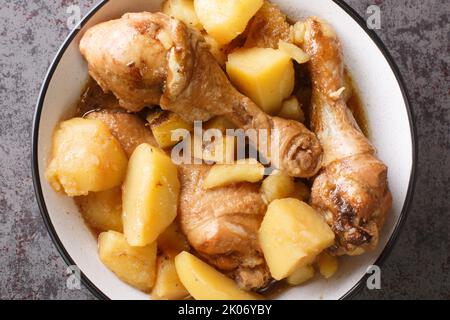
351	191
222	224
150	58
267	27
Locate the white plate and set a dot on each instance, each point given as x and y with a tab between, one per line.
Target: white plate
381	90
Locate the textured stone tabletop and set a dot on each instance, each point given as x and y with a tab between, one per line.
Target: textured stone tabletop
416	32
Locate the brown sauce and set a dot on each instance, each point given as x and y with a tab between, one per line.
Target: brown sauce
355	105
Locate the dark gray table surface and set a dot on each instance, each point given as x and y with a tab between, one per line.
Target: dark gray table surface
416	32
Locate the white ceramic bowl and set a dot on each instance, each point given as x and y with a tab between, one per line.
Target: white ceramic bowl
385	102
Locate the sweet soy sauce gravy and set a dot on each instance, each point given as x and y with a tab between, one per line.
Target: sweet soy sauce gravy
93	98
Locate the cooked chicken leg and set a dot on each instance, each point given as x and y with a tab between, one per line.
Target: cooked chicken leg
146	58
222	224
351	191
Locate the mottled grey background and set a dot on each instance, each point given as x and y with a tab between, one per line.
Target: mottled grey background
417	34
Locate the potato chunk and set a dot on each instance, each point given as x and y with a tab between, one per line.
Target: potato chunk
301	275
102	210
264	75
85	157
133	265
293	51
206	283
182	10
291	109
292	234
278	185
168	285
163	123
150	195
226	19
328	264
225	174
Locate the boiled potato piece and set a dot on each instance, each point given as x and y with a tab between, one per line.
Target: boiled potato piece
172	239
225	174
102	210
85	157
292	234
206	283
291	109
226	19
301	275
278	185
182	10
301	192
328	264
133	265
150	195
168	285
293	51
163	123
220	122
264	75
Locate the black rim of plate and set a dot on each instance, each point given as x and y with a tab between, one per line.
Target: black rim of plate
35	136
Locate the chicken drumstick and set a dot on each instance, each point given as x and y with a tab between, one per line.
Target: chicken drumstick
152	59
351	191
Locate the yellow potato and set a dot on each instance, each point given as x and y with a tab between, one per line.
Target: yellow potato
182	10
206	283
102	210
163	123
225	174
226	19
293	51
133	265
301	275
264	75
301	192
168	285
85	157
292	234
278	185
291	109
150	195
172	239
328	264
